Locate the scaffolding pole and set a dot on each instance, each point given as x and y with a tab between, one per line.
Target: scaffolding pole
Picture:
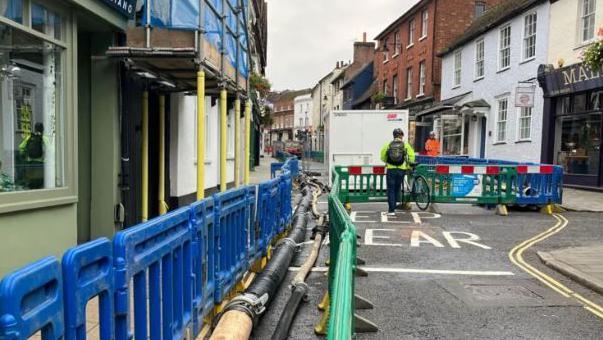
200	134
145	156
247	141
223	139
237	141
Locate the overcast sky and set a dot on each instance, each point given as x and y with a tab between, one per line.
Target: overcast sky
307	37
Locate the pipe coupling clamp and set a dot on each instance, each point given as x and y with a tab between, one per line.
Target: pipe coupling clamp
252	305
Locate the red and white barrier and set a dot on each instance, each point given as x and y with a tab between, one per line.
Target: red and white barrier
366	170
468	169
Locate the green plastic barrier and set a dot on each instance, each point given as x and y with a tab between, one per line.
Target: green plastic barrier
342	235
487	184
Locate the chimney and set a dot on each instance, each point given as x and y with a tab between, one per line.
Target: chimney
364	51
337	65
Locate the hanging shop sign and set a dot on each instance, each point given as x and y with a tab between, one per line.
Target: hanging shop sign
124	7
524	96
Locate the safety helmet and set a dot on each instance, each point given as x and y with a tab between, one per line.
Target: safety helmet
432	133
398	133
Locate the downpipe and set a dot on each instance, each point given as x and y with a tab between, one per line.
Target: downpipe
242	313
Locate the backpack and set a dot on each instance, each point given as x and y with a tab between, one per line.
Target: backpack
35	147
396	153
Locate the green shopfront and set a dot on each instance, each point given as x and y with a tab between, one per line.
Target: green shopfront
57	93
573	124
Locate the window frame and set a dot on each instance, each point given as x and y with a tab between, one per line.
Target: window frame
385	51
412	27
526	37
397	44
424	24
520	118
499	121
501	49
476	76
422	78
408	83
479	3
457	70
587	16
67	194
395	88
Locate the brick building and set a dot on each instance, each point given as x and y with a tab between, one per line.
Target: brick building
283	108
407	70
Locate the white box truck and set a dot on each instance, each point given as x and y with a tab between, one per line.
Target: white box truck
355	137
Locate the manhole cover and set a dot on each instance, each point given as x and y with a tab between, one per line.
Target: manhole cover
500	292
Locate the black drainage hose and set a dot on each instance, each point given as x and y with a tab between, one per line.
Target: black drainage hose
244	310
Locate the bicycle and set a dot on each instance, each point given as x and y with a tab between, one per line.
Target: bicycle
419	189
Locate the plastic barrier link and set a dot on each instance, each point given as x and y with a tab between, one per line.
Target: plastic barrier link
31	299
153	263
175	269
88	273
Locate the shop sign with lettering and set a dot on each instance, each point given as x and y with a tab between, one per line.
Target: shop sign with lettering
124	7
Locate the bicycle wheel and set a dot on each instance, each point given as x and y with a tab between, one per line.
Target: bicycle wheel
420	192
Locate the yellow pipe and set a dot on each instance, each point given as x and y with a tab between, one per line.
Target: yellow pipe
145	156
163	208
200	135
223	140
247	142
237	126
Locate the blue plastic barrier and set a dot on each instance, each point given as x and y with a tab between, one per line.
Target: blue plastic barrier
274	167
31	300
531	189
174	269
205	245
88	272
232	223
159	250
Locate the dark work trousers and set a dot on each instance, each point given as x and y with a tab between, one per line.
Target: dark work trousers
395	184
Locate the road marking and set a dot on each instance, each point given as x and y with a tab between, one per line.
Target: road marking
419	271
415	239
454	242
515	255
369	236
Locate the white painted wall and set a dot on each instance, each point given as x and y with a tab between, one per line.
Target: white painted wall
497	84
183	145
565	41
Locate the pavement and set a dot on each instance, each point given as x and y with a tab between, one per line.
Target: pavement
262	172
582	200
583	264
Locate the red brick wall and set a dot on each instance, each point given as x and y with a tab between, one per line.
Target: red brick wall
447	20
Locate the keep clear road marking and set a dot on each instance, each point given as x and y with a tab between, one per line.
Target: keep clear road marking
359	216
515	255
418	271
418	237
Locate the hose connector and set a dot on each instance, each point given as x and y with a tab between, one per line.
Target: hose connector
248	303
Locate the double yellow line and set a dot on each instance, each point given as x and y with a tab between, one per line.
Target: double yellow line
516	256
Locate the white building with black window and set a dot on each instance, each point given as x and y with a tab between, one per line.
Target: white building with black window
491	105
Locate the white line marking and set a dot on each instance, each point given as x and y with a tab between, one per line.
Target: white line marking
419	271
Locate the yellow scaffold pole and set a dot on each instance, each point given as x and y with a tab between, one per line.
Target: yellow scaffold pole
247	141
223	139
237	141
163	207
145	156
200	134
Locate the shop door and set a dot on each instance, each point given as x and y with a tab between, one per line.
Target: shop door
580	148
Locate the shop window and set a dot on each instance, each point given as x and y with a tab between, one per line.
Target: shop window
452	135
12	9
32	101
45	21
525	123
563	105
580	144
579	103
595	100
501	120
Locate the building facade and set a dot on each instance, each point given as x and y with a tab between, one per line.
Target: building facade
302	113
407	70
485	73
57	100
572	118
323	94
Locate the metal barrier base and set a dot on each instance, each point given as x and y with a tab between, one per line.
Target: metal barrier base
362	303
362	325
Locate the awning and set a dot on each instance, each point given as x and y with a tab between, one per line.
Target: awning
444	105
